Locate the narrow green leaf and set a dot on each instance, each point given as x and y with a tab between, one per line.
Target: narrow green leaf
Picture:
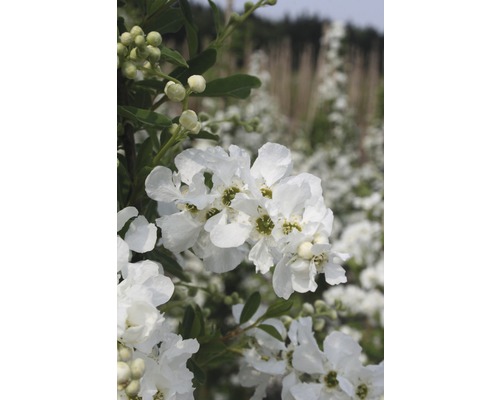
217	17
187	322
144	117
169	20
154	5
278	308
204	135
191	29
150	84
271	330
238	86
197	65
173	57
250	307
145	153
169	264
199	375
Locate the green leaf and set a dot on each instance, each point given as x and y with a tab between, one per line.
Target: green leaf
250	307
150	84
168	20
199	375
217	17
154	5
238	86
145	153
197	65
271	330
191	29
173	57
144	117
278	308
204	135
192	324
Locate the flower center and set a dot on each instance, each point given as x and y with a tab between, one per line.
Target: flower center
362	391
210	213
265	225
330	380
228	195
191	208
266	192
288	227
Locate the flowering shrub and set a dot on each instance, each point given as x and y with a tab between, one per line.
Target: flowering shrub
223	256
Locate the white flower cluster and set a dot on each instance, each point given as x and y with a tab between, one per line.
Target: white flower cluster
225	209
151	358
305	371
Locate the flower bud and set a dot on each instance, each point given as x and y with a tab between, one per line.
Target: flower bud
307	309
154	38
133	388
121	49
140	41
287	320
123	372
248	6
136	31
304	250
129	70
124	353
320	306
173	128
126	38
197	83
272	2
319	324
137	368
189	120
154	53
175	92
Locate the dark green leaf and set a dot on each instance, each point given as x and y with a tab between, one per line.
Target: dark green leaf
238	86
192	324
250	307
144	117
204	135
278	308
169	20
213	353
145	153
151	84
173	57
217	17
197	65
271	330
121	25
154	5
141	98
199	375
191	29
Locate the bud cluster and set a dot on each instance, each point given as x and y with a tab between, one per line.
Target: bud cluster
129	372
135	49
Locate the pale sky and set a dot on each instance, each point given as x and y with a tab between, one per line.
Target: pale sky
361	13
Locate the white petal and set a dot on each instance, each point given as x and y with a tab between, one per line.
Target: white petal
341	349
273	162
179	231
306	391
334	274
230	235
141	235
282	280
124	215
307	358
123	253
159	185
261	256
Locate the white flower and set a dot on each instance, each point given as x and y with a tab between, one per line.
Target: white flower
189	120
175	91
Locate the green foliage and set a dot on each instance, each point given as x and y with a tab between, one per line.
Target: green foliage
144	118
250	307
237	86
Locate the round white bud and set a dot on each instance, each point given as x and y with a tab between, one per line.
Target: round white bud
197	83
140	41
154	38
123	372
319	324
137	367
129	70
124	353
304	250
136	31
175	92
189	120
307	309
154	53
121	49
133	388
126	38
